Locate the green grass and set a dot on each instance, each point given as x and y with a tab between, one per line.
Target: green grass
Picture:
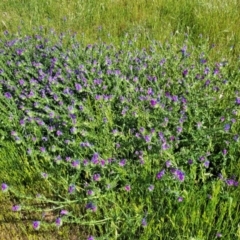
215	20
209	205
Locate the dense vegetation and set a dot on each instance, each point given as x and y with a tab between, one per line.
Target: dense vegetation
111	134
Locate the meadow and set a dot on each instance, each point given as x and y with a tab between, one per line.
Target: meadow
119	120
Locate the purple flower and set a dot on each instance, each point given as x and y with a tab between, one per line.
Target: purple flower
122	162
235	138
199	125
180	199
151	188
224	151
78	87
58	222
238	100
94	159
36	225
4	187
178	174
44	175
165	146
96	177
64	212
227	127
42	149
76	164
16	208
179	129
168	164
144	222
91	206
147	138
160	174
91	238
190	161
90	192
220	176
207	82
59	133
218	235
175	98
206	164
184	73
231	182
8	95
153	102
71	188
73	130
127	188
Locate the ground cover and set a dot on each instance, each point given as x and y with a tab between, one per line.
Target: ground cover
106	133
124	143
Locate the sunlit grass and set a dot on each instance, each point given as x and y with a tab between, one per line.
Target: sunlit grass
215	20
111	134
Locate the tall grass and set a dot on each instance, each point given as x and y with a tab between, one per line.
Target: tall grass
215	20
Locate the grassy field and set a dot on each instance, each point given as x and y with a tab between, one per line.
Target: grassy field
215	20
119	119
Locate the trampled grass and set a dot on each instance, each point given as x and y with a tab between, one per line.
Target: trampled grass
113	140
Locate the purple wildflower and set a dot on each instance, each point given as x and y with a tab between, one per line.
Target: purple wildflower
227	127
58	222
64	212
73	130
207	82
218	235
59	133
36	225
96	177
127	188
238	100
220	176
147	138
184	73
91	238
144	222
76	164
180	199
178	174
91	206
165	146
175	98
8	95
179	130
71	188
160	174
235	138
16	208
224	151
95	159
206	164
44	175
4	187
90	192
151	188
78	87
168	164
153	102
231	182
190	161
122	162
